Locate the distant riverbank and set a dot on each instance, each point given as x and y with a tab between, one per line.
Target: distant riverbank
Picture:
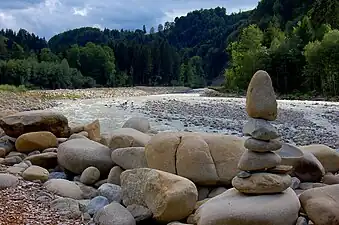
18	99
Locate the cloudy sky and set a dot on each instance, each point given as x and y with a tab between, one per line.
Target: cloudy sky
49	17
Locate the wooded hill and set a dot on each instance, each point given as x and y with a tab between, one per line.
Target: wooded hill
296	41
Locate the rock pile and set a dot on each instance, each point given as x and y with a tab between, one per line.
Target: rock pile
261	171
260	165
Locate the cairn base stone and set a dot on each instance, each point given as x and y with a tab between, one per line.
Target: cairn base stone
233	207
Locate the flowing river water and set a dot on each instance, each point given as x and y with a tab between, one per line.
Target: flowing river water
299	122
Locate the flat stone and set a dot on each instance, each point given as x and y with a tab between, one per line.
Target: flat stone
260	99
280	169
252	161
262	146
235	208
260	129
64	188
33	121
262	183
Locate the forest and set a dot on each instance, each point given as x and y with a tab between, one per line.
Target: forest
295	41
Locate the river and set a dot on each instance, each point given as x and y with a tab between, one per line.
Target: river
299	122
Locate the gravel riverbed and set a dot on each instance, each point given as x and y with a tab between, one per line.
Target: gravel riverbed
299	122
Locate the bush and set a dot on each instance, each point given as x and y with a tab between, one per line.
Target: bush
12	88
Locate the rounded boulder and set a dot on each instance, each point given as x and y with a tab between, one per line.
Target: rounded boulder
33	141
78	154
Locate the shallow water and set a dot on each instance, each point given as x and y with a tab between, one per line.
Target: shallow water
310	121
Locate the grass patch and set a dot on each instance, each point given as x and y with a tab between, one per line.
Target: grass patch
12	88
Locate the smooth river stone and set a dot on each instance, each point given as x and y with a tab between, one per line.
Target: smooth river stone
235	208
261	100
252	161
262	183
260	129
262	146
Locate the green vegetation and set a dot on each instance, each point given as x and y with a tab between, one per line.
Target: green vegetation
296	41
12	88
298	47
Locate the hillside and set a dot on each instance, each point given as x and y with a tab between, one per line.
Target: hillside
194	50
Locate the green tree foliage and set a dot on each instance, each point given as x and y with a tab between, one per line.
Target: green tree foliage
248	55
322	68
291	39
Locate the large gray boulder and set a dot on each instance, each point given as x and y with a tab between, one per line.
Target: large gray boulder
130	158
233	207
78	154
206	159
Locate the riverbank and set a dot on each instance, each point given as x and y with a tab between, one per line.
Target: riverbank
300	122
43	99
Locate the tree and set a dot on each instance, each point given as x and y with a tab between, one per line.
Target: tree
248	55
322	69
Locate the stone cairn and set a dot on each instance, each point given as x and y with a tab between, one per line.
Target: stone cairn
261	172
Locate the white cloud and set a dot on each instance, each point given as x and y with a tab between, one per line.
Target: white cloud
81	12
48	17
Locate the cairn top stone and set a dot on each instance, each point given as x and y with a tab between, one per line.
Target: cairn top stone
261	100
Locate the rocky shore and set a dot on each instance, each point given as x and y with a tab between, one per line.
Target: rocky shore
43	99
75	174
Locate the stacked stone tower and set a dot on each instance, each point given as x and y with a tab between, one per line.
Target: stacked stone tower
260	165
